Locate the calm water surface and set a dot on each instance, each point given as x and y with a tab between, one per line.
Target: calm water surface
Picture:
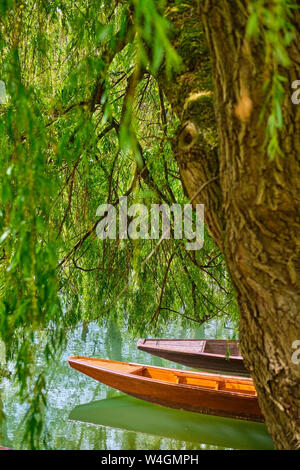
84	414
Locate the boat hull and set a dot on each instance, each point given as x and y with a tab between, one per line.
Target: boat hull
191	353
174	395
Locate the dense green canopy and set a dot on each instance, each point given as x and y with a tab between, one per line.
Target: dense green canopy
83	117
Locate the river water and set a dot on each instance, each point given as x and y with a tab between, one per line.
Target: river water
84	414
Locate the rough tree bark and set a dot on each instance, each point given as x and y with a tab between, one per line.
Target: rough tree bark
252	204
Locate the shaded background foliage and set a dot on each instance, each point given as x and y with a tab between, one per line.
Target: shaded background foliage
84	123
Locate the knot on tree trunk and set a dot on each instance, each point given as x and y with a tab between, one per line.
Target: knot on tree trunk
188	136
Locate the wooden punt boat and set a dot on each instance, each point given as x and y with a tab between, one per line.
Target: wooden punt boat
221	395
211	354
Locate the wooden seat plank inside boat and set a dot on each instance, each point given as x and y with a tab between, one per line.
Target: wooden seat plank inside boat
230	348
176	345
213	384
245	389
159	374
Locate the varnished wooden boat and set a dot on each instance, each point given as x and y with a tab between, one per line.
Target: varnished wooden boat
211	354
221	395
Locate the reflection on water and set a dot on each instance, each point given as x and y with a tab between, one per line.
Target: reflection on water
84	414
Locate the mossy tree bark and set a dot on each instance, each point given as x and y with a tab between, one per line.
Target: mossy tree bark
252	204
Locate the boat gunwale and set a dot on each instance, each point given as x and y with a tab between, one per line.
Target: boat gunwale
151	379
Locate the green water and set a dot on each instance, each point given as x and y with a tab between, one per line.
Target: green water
84	414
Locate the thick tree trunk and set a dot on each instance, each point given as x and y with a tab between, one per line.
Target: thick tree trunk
252	204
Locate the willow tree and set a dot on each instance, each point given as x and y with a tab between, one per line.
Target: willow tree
161	101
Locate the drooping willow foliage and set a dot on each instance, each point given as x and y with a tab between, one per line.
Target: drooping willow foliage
273	23
84	122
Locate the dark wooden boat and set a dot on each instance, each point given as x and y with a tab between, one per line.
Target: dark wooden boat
221	395
211	354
